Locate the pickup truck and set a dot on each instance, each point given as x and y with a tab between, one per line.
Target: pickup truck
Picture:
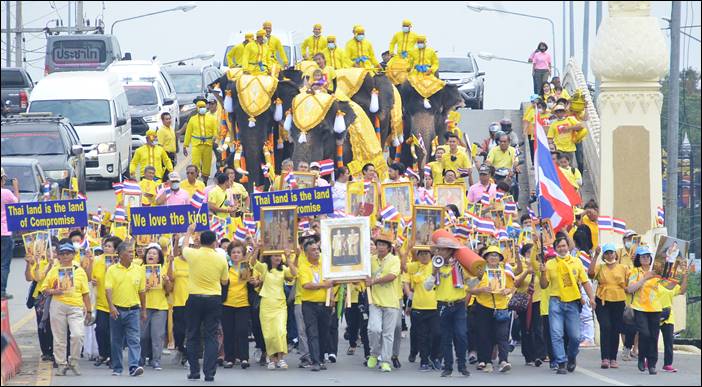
17	85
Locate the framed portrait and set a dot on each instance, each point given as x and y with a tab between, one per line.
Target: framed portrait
65	278
131	200
153	276
495	280
93	230
635	242
346	248
66	194
425	220
359	200
547	232
143	240
279	229
400	195
507	247
498	217
392	227
36	242
451	194
306	179
670	261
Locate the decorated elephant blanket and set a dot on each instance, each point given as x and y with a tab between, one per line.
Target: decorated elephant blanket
397	70
425	85
308	110
364	143
349	81
255	93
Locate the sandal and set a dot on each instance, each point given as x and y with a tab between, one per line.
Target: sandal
351	351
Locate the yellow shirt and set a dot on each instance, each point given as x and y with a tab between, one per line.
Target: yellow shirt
573	175
312	45
147	155
126	284
43	263
275	47
425	56
594	230
646	298
355	50
238	189
256	55
148	187
336	58
446	292
385	295
437	169
218	197
201	129
570	268
502	159
273	281
665	296
80	286
191	188
403	41
99	270
422	299
462	161
529	117
208	270
624	258
235	56
181	272
611	282
156	298
301	261
166	138
495	301
563	140
310	273
238	294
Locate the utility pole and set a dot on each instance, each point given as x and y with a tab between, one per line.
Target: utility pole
671	198
586	39
598	20
8	36
18	34
572	29
564	62
80	23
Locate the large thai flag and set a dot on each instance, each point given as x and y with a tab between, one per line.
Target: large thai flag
556	195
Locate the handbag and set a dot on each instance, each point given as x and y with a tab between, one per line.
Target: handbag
628	316
30	296
501	315
665	314
519	302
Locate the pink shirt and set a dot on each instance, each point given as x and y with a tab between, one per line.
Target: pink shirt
7	197
475	193
176	198
541	60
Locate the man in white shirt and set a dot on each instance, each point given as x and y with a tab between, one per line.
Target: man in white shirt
339	188
396	174
315	167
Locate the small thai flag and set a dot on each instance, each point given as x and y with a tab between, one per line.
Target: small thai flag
250	225
84	245
472	218
400	238
304	225
215	224
462	172
585	259
508	270
660	216
502	234
366	185
485	199
290	180
168	192
131	187
338	214
510	208
462	231
197	199
257	190
326	167
499	195
604	223
411	173
46	190
532	215
429	199
485	226
389	213
451	216
120	215
96	218
619	226
266	171
408	225
427	170
240	234
118	187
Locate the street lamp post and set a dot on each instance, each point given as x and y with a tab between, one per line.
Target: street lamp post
477	7
491	56
184	8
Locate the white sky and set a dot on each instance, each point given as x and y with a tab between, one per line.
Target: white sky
451	28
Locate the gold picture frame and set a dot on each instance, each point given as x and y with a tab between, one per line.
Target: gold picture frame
153	276
426	220
305	179
346	248
358	201
635	242
391	226
65	279
93	230
400	195
547	232
451	194
37	241
131	200
278	227
66	194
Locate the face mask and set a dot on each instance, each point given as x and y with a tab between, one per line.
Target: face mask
202	110
175	185
360	37
627	244
316	34
76	246
331	46
550	105
420	45
542	49
405	29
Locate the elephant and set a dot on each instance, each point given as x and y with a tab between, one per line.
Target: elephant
427	123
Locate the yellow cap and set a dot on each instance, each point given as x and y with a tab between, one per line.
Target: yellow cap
317	26
354	27
267	24
260	33
201	104
421	38
249	36
360	30
493	249
406	23
150	132
331	38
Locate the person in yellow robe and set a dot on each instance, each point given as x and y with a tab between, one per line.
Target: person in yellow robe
235	56
274	46
201	130
313	44
403	42
256	57
335	57
360	51
150	154
423	59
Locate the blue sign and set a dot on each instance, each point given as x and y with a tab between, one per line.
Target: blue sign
46	215
167	219
309	201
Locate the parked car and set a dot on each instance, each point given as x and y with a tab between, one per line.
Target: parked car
191	82
49	139
96	105
147	101
85	52
17	85
464	72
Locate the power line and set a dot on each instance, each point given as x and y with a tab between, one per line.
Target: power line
48	14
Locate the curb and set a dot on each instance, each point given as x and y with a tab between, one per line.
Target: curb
687	348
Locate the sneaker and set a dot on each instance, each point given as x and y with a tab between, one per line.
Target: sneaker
472	358
100	360
315	368
332	358
244	364
73	366
396	362
488	368
553	365
228	364
480	366
641	365
157	366
282	364
605	364
424	368
538	363
372	362
262	361
669	368
136	371
446	373
350	351
385	367
304	363
61	370
504	367
193	376
271	365
209	378
571	366
412	357
652	371
464	372
626	354
436	363
561	370
613	364
115	373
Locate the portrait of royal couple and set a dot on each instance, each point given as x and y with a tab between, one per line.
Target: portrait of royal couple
346	246
280	230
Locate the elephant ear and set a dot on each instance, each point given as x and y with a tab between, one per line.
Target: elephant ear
292	75
450	98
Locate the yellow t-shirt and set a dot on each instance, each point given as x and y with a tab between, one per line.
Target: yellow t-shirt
207	270
181	272
563	140
446	292
422	299
218	197
43	263
495	301
166	138
148	187
80	286
624	258
611	282
462	161
191	188
385	295
99	271
529	116
666	295
569	268
301	261
437	170
501	159
238	294
310	273
646	298
126	284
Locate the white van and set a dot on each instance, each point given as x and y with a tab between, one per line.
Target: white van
291	42
148	71
96	105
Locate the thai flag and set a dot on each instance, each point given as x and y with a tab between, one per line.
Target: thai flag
462	172
619	226
400	238
304	225
585	259
197	199
604	223
250	225
215	224
485	199
408	225
257	190
499	195
118	187
532	215
46	190
168	191
266	171
131	187
84	244
326	167
660	216
120	215
366	185
510	208
411	173
451	216
240	234
472	217
96	218
338	214
290	180
429	198
508	270
501	234
485	226
389	213
556	195
462	230
427	170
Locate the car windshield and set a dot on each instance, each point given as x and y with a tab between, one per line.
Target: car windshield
224	59
81	112
29	143
24	175
187	83
141	95
455	65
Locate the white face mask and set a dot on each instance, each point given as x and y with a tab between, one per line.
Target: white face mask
627	244
405	29
175	185
316	34
550	105
360	37
76	246
331	46
202	110
421	45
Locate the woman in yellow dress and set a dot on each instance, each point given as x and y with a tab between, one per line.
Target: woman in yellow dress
274	310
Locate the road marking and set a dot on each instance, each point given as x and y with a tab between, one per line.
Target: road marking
44	372
599	377
22	322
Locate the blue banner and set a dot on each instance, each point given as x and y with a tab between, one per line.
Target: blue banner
46	215
309	201
167	219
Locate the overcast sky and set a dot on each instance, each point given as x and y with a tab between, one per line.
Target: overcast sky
451	28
